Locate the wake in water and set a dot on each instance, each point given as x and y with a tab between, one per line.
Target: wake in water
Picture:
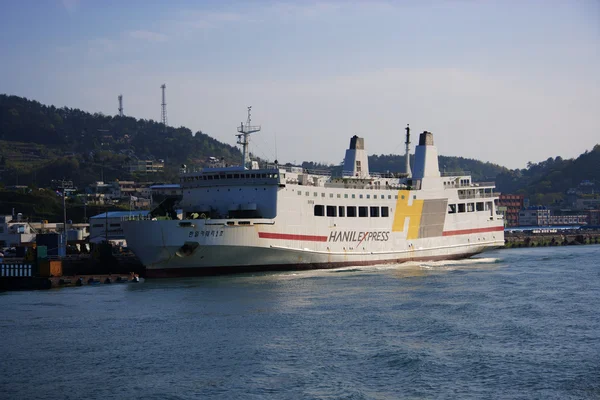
408	268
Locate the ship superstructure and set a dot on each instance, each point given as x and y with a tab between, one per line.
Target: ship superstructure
271	217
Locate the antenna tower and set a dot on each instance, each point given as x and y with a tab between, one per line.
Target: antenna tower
163	114
120	105
244	136
407	153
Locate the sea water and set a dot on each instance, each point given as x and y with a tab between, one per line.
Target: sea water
508	324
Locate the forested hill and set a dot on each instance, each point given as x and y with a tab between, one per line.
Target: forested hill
546	182
56	134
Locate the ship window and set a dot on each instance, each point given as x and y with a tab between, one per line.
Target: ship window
374	211
331	195
331	211
414	197
299	192
402	197
389	196
360	196
362	211
351	211
97	225
341	210
451	208
204	178
339	196
470	207
346	195
236	176
396	197
353	196
263	175
319	210
306	193
369	196
322	194
229	176
488	206
479	206
315	194
385	212
461	208
115	225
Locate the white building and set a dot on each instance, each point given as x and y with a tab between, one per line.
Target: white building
146	166
108	226
534	216
14	231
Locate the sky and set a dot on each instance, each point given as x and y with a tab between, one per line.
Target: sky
501	81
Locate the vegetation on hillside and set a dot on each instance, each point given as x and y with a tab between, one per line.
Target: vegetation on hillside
546	182
43	204
42	142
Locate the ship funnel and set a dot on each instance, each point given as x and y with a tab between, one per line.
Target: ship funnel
426	167
356	162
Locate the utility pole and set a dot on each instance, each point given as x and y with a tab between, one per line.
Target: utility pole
64	196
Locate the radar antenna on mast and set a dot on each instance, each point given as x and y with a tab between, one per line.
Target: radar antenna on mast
244	136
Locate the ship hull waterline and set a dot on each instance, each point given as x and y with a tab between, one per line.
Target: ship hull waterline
223	260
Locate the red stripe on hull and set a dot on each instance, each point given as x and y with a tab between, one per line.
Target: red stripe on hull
211	271
286	236
477	230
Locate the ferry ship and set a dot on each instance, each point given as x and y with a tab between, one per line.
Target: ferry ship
255	217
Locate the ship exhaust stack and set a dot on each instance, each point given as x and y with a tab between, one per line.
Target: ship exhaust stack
426	174
356	162
407	152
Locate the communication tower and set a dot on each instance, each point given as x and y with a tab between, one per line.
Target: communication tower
163	115
120	105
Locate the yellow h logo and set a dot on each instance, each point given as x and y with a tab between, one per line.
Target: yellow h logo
412	212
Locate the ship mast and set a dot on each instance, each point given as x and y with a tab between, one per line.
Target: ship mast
244	136
407	152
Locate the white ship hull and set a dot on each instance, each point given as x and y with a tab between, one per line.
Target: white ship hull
239	219
254	248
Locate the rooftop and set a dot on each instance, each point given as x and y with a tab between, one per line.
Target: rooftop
119	214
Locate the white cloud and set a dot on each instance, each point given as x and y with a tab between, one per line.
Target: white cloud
208	19
148	36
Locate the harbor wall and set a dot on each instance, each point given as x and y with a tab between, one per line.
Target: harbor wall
544	238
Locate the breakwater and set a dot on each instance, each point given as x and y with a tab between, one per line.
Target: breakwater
544	238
